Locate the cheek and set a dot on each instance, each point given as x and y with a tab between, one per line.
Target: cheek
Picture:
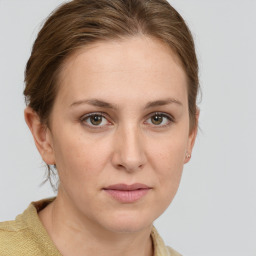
79	157
168	155
170	166
168	160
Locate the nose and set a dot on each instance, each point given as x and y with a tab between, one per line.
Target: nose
129	149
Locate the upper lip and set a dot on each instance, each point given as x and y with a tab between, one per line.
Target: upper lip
126	187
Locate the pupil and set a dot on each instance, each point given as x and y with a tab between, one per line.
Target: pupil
157	119
96	119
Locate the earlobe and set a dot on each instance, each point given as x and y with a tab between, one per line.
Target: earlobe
192	139
187	158
41	134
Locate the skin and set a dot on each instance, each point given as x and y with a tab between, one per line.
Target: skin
137	78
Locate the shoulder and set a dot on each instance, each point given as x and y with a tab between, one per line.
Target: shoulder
10	226
13	237
26	235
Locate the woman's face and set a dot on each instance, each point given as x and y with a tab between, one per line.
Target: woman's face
120	132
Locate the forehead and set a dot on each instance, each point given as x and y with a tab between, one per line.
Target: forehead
130	66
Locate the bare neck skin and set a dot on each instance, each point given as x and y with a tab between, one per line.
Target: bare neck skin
86	238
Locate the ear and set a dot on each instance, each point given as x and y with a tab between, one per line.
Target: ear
42	135
192	139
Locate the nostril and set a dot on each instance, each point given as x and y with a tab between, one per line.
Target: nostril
129	155
120	166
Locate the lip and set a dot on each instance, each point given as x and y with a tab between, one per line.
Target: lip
127	193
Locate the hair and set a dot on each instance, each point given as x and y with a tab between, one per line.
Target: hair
79	23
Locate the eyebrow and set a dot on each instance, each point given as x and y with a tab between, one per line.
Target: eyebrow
162	103
94	102
104	104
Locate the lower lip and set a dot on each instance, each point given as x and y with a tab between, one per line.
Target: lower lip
127	196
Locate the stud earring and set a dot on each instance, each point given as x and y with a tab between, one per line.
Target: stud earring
188	155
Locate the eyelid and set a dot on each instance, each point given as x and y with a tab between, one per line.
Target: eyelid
82	119
102	114
170	118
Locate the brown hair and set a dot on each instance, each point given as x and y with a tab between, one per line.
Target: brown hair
81	22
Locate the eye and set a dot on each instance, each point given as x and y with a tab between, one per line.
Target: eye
95	120
159	119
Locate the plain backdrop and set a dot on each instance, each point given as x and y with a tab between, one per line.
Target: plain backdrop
214	212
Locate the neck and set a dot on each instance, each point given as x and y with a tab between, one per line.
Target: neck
87	238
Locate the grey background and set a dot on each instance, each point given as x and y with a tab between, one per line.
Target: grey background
215	208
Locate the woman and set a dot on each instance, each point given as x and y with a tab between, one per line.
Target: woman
111	89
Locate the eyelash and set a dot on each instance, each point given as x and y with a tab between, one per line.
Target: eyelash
170	119
100	114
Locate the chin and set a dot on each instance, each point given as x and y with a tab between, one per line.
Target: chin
129	227
127	222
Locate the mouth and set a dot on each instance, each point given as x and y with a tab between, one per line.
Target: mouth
127	193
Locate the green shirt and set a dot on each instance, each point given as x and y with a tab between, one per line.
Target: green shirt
27	236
